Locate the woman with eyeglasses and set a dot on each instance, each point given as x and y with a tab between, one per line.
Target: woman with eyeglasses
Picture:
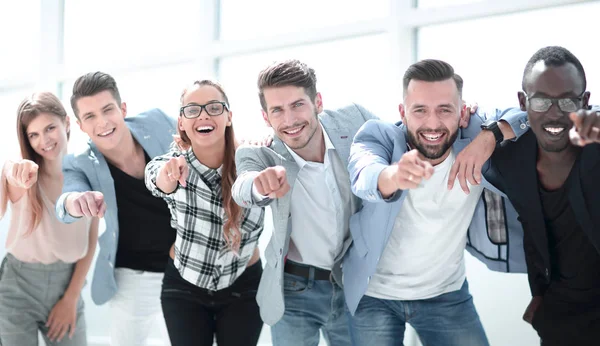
210	283
44	270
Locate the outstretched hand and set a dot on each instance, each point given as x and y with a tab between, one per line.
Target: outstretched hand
586	127
272	182
89	203
410	171
176	170
24	174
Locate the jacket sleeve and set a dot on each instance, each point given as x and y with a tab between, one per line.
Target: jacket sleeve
248	165
75	180
152	169
516	118
370	153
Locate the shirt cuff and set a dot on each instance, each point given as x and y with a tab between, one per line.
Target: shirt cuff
256	196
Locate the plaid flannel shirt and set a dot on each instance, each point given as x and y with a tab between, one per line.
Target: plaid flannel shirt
201	253
495	217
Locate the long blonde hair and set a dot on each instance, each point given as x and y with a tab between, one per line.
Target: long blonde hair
233	212
29	109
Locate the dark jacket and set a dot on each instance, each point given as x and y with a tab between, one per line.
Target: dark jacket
514	172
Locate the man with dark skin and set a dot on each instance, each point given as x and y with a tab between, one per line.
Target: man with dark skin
551	176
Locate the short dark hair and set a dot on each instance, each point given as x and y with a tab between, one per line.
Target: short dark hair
287	73
91	84
431	70
555	56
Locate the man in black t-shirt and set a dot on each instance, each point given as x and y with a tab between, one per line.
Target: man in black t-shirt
551	176
106	179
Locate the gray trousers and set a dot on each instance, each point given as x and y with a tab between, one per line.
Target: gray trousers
28	292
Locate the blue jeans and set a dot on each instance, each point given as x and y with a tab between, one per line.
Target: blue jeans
449	319
311	306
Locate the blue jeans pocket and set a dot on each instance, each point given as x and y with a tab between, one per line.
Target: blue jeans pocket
293	284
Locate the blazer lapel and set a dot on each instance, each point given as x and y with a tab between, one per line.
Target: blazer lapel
522	181
291	169
287	161
340	138
102	171
104	179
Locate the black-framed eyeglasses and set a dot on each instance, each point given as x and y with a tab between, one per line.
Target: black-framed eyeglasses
543	104
213	108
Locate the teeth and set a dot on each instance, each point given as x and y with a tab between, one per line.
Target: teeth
292	132
554	130
49	148
106	133
432	137
204	128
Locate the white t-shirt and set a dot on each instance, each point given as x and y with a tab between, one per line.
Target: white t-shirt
424	256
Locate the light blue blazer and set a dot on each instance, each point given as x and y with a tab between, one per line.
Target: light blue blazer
87	170
378	144
341	126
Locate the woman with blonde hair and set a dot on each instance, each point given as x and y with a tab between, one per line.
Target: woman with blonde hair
44	270
209	287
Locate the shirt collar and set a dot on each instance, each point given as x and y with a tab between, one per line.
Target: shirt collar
328	146
208	173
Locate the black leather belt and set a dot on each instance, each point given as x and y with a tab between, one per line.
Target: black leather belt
304	271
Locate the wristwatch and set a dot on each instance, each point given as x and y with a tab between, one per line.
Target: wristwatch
492	125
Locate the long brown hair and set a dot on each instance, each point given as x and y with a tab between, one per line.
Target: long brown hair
233	212
29	109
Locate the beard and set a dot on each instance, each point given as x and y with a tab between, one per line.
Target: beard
432	152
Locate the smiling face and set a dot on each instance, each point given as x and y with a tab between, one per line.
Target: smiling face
431	113
102	119
205	130
292	114
47	135
551	127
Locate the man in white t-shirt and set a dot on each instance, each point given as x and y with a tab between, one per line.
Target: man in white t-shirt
410	236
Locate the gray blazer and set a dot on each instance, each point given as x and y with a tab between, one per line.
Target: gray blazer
87	170
341	125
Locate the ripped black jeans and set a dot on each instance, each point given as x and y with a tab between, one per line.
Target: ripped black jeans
194	315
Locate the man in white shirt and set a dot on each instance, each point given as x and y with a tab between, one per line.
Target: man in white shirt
407	264
300	291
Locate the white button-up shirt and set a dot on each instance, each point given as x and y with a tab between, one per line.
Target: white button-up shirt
320	211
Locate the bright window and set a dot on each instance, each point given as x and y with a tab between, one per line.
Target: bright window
99	33
491	53
9	104
262	18
444	3
19	40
